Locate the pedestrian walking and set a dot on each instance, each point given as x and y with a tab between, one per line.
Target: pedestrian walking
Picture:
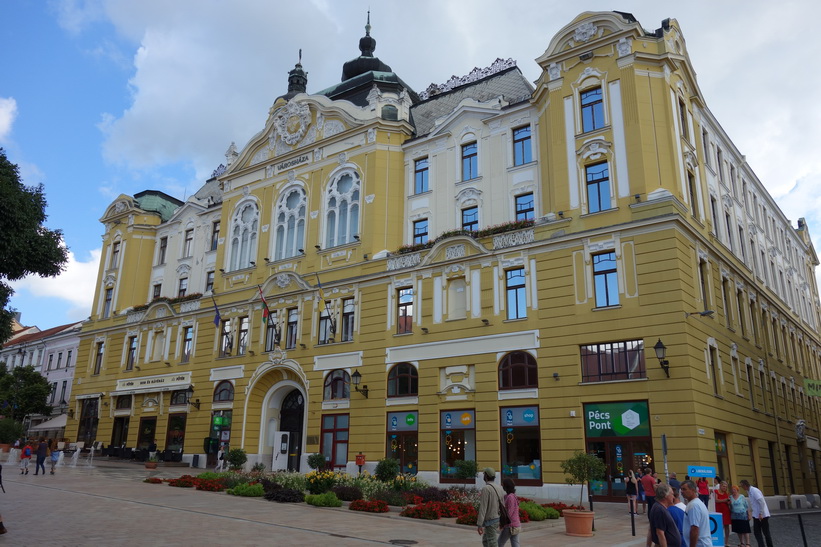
648	484
487	519
42	453
631	490
511	530
662	530
55	456
25	458
760	514
696	518
740	516
221	459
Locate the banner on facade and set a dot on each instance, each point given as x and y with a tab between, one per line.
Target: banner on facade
812	387
626	419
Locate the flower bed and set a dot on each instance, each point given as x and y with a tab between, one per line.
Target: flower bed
153	480
434	510
186	481
559	506
375	506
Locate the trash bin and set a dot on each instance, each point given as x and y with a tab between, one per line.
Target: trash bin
196	462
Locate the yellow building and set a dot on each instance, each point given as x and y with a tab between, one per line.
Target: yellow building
480	271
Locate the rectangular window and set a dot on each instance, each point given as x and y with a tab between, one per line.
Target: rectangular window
59	360
521	146
50	361
115	254
598	187
348	316
187	344
183	287
163	249
470	219
324	326
98	358
420	231
605	279
215	235
729	223
226	339
187	246
157	291
209	281
420	176
272	332
613	361
705	144
515	288
242	345
109	295
291	328
751	385
404	321
457	439
68	359
592	109
53	393
131	353
739	300
682	112
63	391
524	207
335	440
470	161
720	165
521	453
762	379
691	182
713	368
714	214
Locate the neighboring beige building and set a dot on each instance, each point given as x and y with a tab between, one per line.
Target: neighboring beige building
480	271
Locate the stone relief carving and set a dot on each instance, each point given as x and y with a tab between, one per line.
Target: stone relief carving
292	121
282	280
624	47
554	72
511	239
371	135
455	251
473	76
333	127
584	32
191	305
342	158
404	261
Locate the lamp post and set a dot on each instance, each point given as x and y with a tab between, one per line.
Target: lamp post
661	353
356	378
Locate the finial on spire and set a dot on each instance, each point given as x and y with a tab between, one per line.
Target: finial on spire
300	56
368	25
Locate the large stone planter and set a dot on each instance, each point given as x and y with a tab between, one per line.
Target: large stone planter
151	465
578	523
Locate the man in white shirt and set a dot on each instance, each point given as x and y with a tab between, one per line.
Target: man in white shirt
761	513
696	518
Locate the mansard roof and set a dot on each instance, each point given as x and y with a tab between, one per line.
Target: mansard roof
157	202
509	83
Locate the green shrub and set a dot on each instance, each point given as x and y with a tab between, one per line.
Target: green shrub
387	469
236	458
10	431
534	510
551	513
247	490
466	470
328	499
391	497
347	493
316	461
233	479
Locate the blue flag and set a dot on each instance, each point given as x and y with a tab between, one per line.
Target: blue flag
217	317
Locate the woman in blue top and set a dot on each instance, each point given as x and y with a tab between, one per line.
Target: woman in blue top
740	516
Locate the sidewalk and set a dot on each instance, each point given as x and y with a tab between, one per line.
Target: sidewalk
108	502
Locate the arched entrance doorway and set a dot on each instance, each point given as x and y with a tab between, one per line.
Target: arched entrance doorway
291	419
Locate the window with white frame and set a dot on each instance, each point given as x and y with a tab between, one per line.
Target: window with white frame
420	231
470	161
598	187
115	254
290	223
244	228
342	205
525	206
470	219
592	109
420	175
605	279
188	243
515	290
521	146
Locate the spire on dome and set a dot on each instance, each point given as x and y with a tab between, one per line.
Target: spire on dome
297	78
367	45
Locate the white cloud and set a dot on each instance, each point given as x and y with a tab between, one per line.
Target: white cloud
74	286
8	112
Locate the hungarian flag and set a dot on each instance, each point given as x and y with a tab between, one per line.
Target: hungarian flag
265	311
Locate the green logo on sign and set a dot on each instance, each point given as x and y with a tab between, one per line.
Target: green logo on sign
629	419
410	419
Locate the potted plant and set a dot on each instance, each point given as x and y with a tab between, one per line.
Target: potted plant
152	462
581	468
236	458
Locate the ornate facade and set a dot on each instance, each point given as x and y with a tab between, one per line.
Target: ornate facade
481	271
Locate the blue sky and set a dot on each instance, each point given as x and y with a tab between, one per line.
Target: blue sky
103	97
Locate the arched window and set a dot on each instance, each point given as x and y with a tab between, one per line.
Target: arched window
337	385
244	227
518	370
224	392
290	228
123	402
179	397
403	381
342	205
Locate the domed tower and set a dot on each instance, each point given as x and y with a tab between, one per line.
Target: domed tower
297	81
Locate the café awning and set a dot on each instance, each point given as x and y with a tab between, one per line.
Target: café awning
58	422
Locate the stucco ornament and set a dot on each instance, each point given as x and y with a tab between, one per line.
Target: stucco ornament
292	122
584	32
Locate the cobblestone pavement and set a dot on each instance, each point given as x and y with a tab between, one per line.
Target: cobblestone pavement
108	504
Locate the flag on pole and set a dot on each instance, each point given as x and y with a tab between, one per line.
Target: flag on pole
319	284
217	317
265	311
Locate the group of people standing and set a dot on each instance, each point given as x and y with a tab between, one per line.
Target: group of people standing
42	450
493	500
674	523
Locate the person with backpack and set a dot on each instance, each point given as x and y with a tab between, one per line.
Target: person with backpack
25	458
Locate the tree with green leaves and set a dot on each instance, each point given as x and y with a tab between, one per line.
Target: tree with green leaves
26	246
23	391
